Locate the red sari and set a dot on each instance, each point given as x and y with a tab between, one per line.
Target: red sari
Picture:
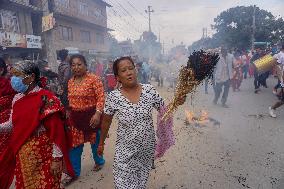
6	98
29	154
237	75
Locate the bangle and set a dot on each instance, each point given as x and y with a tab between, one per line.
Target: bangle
99	111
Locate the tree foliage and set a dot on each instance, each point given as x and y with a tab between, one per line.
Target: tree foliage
234	28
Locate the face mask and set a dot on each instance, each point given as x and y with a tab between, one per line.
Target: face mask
18	85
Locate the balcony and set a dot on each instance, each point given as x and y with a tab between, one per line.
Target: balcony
89	13
31	5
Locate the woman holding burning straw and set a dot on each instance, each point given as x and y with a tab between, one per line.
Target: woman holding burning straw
133	104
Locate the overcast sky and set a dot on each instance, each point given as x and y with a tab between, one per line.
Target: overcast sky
177	20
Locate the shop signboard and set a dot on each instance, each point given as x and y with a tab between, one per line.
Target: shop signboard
33	41
9	39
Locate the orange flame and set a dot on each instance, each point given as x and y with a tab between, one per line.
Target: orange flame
191	118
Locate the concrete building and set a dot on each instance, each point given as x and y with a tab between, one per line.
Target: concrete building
20	28
80	26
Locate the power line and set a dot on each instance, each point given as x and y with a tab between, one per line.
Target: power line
131	5
118	28
125	21
122	15
127	14
124	9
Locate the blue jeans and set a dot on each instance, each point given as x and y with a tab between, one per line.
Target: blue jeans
76	153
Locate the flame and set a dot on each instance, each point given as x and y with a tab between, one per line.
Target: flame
204	116
191	118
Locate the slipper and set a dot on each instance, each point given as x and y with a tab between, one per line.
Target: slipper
97	168
68	180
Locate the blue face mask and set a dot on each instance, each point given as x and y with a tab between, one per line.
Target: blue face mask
18	85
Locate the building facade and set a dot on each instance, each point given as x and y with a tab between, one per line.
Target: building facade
81	26
20	28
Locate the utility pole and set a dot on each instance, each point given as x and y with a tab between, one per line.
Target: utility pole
47	40
149	11
253	28
163	47
159	36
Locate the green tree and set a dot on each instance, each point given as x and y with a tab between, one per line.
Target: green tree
234	27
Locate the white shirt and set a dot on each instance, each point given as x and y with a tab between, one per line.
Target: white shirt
280	57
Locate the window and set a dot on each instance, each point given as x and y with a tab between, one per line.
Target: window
63	3
85	36
100	38
83	8
9	21
96	12
66	33
1	22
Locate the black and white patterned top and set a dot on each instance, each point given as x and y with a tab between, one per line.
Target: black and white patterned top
135	145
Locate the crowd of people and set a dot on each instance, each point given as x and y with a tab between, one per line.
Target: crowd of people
45	123
234	67
43	128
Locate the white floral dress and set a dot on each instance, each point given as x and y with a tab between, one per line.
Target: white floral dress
135	145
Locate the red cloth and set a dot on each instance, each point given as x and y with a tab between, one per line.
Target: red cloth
5	107
33	166
6	97
81	120
43	82
99	69
5	87
28	113
111	80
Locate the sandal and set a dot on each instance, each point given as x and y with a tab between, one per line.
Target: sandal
68	180
97	168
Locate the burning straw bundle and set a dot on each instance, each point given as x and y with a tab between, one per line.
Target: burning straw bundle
200	66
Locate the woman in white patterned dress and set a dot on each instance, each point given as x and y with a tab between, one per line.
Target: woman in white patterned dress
135	146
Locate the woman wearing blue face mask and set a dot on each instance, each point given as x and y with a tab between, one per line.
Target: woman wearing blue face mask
38	146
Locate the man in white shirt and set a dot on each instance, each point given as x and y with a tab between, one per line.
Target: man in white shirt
223	76
280	56
280	60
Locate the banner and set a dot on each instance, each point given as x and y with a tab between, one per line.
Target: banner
48	22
